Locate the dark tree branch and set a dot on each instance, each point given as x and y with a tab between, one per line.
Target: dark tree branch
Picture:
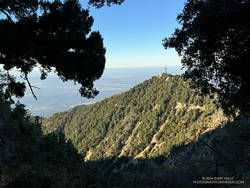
30	25
36	87
7	15
30	86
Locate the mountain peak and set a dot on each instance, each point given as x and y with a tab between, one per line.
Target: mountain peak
144	122
156	134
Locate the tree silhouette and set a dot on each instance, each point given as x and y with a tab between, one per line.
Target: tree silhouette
54	36
214	42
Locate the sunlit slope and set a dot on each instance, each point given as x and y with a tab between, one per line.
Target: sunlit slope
147	121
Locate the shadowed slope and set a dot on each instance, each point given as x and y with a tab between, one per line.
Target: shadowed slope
160	133
147	121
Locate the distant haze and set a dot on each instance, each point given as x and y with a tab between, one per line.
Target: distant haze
55	95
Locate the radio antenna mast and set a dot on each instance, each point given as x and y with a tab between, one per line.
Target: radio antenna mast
166	69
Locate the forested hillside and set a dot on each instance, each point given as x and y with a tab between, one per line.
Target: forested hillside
29	159
156	134
147	121
159	134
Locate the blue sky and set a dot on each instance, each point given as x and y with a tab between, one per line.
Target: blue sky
133	32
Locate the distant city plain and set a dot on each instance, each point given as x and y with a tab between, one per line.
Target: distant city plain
55	95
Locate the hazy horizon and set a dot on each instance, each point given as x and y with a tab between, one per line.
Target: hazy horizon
55	95
133	32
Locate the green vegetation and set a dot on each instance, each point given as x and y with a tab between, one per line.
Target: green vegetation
145	122
159	134
29	159
213	40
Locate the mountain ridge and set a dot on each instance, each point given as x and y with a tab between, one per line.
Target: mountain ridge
161	133
143	110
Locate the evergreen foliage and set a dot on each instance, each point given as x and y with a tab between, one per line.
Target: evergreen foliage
125	144
214	43
160	133
52	36
150	118
29	159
